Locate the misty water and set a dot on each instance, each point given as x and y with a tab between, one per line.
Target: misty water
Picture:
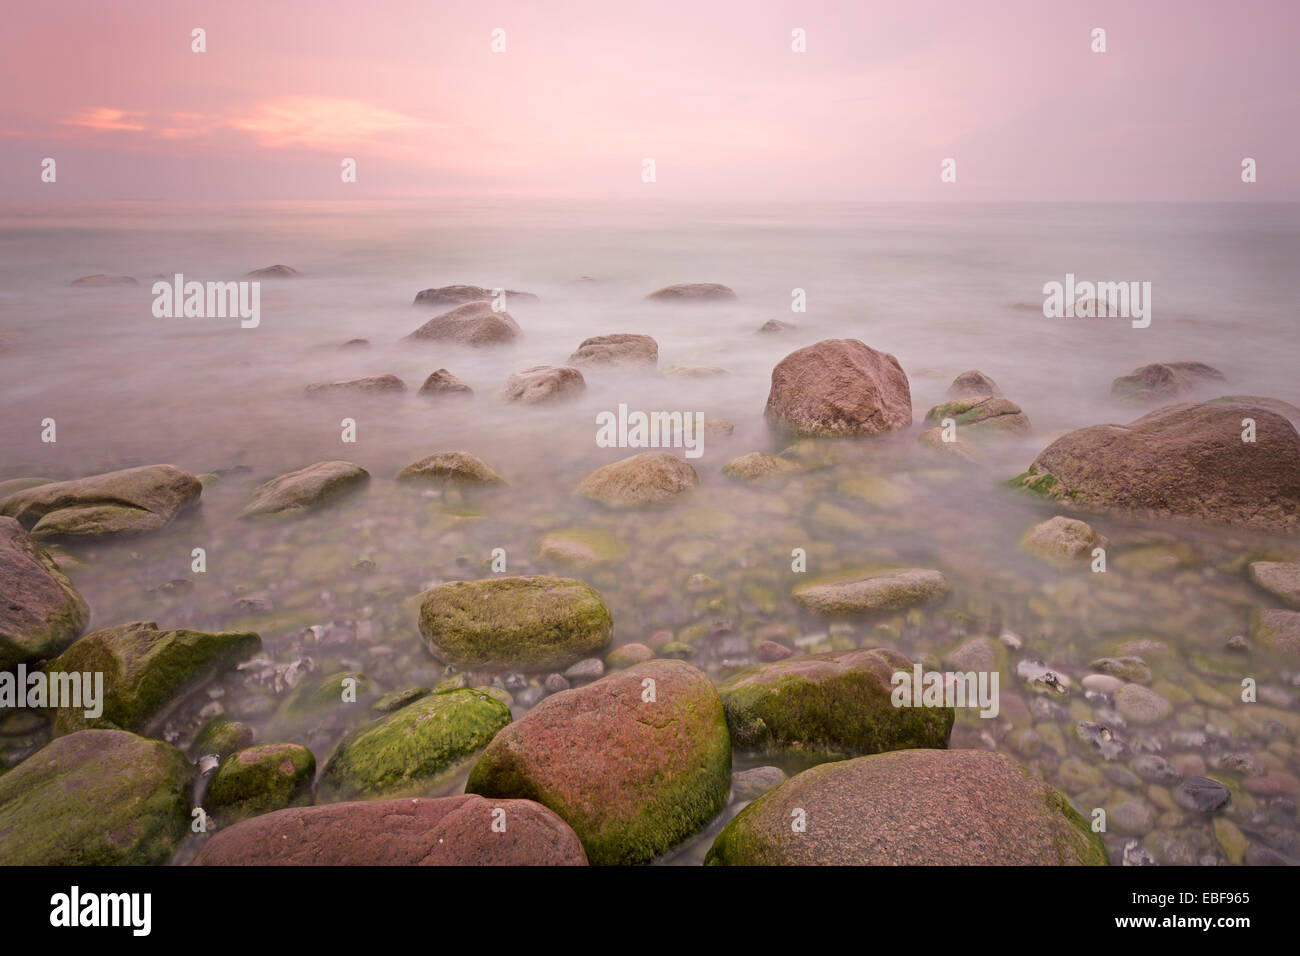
944	288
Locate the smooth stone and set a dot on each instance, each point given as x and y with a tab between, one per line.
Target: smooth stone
981	416
119	502
450	296
617	350
298	492
1202	795
972	384
373	385
474	324
41	613
885	591
1278	631
693	292
261	779
839	388
451	468
757	465
104	279
651	477
1279	578
748	784
1165	381
274	272
1141	705
544	384
443	383
1062	540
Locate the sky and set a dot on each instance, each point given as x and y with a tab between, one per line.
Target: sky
713	92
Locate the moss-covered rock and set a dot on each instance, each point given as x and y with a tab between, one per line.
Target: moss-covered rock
416	749
910	807
145	670
95	798
222	737
829	706
41	613
534	622
261	779
981	416
635	762
331	690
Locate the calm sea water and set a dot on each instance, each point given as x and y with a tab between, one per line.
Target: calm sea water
944	288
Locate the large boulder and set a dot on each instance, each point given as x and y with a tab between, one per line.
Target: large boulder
41	613
1186	461
830	706
471	324
533	622
298	492
95	798
972	384
981	416
693	292
464	830
373	385
416	748
261	779
145	670
624	349
651	477
1165	381
451	468
635	762
543	384
118	502
839	388
911	808
872	593
450	296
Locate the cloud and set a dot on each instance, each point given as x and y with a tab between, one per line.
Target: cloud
103	118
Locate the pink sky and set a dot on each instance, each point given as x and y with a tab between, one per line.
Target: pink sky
710	90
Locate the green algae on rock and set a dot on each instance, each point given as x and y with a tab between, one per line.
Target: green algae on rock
145	670
535	622
95	798
635	762
829	706
261	779
222	737
911	807
981	416
415	749
41	613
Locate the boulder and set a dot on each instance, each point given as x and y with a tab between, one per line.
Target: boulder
118	502
635	762
447	831
472	324
1165	381
443	383
451	468
981	416
145	670
651	477
7	488
911	808
543	384
829	706
1285	409
757	465
1062	540
298	492
95	798
1279	578
617	350
972	384
274	272
958	449
41	613
450	296
534	622
261	779
1185	461
872	593
415	749
693	292
839	388
375	384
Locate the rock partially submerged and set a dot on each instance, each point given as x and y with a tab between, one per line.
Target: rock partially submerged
579	547
758	465
911	807
544	384
447	831
972	384
261	779
416	749
1165	381
830	706
41	613
1277	630
839	388
531	622
451	468
1279	578
635	762
95	798
443	383
298	492
119	502
624	349
450	296
103	279
374	384
651	477
274	272
693	292
1185	461
473	324
1061	540
872	593
145	670
981	416
776	326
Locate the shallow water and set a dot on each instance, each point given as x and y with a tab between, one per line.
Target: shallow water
944	288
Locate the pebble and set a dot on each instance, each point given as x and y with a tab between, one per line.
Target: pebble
1202	794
